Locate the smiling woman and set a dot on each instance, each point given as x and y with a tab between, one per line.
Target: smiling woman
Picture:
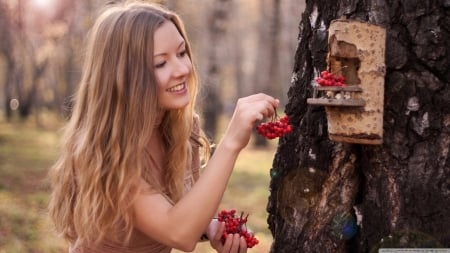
134	145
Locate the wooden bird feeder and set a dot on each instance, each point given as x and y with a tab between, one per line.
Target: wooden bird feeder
337	96
354	111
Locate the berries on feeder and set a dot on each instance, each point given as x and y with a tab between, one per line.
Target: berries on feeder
330	79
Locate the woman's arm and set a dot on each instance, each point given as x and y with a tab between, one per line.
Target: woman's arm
181	225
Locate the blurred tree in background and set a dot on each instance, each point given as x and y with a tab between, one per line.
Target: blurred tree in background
8	59
240	47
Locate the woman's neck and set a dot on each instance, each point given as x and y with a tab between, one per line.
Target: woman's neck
159	118
156	145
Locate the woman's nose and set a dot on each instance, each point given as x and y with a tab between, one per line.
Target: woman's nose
182	67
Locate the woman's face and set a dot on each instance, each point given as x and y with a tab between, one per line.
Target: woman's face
172	67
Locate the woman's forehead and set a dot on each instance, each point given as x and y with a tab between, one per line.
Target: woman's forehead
167	38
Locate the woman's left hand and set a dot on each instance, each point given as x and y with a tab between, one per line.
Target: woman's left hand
234	243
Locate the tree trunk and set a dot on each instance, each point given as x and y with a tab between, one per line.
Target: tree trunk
172	4
8	88
6	52
212	103
29	96
339	197
267	74
238	45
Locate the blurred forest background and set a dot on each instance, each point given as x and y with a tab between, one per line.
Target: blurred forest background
240	47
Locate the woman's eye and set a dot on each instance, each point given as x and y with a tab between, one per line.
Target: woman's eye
182	53
160	65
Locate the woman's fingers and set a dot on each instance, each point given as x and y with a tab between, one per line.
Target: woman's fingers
242	245
248	111
235	243
259	103
260	96
216	236
228	243
219	231
255	108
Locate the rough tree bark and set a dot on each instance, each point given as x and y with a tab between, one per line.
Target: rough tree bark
398	193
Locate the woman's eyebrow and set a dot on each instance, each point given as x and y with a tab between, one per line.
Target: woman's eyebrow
161	54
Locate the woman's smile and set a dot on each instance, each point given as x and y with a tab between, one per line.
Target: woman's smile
178	88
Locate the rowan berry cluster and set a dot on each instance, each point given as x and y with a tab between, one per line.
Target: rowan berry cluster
330	79
275	128
236	225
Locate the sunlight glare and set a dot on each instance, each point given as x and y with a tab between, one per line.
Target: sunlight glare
43	4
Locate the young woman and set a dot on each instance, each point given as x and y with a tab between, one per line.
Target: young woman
127	179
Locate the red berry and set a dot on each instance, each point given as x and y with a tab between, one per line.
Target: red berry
329	79
235	225
274	129
324	73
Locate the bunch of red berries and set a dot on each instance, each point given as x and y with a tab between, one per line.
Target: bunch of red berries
329	79
275	128
236	225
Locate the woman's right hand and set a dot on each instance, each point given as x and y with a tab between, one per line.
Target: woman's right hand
248	111
234	243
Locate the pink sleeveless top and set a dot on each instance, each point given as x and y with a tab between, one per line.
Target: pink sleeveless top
140	243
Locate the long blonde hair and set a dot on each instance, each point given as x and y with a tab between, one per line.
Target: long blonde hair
104	147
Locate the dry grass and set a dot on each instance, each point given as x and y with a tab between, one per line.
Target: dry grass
27	151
